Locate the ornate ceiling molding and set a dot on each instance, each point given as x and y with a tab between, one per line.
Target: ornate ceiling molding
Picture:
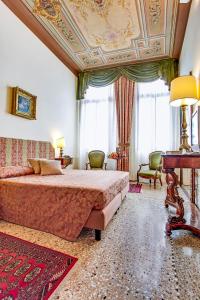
49	9
86	34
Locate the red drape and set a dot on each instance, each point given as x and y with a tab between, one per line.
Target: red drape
124	93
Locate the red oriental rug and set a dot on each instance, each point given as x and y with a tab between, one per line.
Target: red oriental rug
135	188
29	271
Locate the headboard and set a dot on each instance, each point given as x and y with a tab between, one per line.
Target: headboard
15	152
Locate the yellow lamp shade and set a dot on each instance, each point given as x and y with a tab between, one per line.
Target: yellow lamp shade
184	91
198	91
60	143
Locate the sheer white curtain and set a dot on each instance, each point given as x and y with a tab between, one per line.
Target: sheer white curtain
97	119
155	123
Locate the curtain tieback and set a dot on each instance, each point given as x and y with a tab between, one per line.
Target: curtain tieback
126	145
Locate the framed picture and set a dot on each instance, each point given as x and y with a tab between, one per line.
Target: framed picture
23	104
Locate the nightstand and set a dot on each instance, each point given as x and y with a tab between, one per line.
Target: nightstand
65	161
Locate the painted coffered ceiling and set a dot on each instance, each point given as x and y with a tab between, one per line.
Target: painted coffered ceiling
102	33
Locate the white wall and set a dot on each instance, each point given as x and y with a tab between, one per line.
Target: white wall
190	54
26	62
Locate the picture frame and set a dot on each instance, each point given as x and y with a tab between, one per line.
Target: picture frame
23	104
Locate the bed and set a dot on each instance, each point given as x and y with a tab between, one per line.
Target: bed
58	204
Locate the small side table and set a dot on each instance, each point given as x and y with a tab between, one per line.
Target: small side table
65	161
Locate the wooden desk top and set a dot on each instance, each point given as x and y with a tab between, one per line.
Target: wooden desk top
178	154
173	160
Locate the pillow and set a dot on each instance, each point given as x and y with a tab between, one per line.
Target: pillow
50	167
14	171
35	164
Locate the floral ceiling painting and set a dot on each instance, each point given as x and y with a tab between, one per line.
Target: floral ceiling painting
99	33
110	25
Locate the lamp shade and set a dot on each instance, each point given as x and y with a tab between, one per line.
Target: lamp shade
183	91
198	91
60	143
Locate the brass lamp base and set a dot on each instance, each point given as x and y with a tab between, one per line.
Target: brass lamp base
185	146
184	137
61	152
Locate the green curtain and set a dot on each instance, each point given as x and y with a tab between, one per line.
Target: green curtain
166	69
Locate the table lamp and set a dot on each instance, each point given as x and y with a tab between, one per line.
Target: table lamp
60	143
183	92
198	91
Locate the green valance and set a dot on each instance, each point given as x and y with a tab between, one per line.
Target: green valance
166	69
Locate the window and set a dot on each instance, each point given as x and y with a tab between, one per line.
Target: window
155	123
97	122
154	115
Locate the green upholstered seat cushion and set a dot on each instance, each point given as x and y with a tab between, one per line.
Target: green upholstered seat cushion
149	173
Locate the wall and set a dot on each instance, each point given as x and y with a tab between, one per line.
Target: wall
190	54
26	62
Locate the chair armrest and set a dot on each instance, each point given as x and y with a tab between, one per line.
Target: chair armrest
86	165
105	165
142	165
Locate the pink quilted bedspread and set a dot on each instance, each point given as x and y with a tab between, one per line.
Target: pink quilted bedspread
58	204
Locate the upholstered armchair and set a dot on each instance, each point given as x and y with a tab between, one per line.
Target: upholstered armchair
154	170
96	160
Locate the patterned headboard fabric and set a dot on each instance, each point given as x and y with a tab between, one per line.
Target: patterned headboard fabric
14	152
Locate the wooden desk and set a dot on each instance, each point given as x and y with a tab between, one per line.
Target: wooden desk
187	218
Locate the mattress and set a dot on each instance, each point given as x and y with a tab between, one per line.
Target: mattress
59	204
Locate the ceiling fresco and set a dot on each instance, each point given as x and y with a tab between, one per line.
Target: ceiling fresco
99	33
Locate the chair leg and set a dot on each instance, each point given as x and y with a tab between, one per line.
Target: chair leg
160	181
154	183
137	178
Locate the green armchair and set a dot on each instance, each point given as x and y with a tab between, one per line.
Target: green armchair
96	160
154	170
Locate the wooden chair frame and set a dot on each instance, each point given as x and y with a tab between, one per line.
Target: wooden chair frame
154	177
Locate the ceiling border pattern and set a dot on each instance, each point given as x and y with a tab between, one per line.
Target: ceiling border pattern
74	50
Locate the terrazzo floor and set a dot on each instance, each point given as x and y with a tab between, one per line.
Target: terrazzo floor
134	259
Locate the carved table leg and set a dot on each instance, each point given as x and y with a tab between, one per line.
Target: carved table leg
193	186
174	200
